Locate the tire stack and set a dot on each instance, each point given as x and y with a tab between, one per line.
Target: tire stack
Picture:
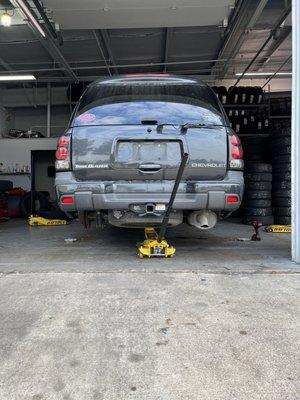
281	161
258	194
255	149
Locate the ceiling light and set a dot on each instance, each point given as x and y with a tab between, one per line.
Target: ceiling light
5	19
263	74
7	78
26	10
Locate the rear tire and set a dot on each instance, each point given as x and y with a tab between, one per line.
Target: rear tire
258	185
279	220
279	185
281	168
25	206
258	177
286	158
259	167
282	202
258	203
257	195
281	176
282	211
259	212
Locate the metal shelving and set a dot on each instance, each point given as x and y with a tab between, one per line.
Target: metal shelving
260	105
280	116
254	135
14	173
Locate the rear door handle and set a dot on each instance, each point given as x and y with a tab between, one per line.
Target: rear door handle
149	168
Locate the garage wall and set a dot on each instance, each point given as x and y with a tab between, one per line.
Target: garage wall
18	151
36	118
26	108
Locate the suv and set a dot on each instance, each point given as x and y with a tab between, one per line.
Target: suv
118	160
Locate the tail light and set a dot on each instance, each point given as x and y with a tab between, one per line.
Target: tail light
67	200
232	199
63	152
235	153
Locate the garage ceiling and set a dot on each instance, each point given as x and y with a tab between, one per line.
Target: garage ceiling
114	14
123	36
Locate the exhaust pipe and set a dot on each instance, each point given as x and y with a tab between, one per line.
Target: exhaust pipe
203	219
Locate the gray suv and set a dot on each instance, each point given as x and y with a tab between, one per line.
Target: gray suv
118	160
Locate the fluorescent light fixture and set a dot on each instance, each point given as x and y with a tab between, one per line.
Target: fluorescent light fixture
5	19
26	10
263	74
8	78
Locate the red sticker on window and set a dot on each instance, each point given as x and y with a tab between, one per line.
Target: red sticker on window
86	118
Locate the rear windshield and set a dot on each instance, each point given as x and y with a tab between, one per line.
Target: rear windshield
133	103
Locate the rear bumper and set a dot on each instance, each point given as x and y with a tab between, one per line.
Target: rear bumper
120	195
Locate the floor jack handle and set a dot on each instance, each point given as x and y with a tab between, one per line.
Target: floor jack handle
166	218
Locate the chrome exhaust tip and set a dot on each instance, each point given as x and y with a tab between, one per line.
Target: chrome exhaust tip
203	219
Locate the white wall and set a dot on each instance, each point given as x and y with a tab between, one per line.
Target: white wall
18	151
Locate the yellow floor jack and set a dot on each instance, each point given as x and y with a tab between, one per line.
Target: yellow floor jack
155	244
279	228
36	218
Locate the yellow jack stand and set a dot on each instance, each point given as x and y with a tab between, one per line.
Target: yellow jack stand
279	228
150	247
40	221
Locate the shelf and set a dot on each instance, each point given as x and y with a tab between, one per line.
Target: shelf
14	173
253	135
280	116
244	105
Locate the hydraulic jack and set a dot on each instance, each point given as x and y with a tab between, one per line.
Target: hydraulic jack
155	244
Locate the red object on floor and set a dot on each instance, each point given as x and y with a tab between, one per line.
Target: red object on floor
3	211
14	198
17	192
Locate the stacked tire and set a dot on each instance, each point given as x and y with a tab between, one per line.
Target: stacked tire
281	161
258	194
255	149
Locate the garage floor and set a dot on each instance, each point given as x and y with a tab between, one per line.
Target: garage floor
89	320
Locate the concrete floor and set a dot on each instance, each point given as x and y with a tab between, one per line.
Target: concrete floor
89	320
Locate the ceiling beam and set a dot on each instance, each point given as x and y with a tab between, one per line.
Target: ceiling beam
47	42
107	44
286	12
168	39
277	42
99	45
57	56
241	24
119	66
278	70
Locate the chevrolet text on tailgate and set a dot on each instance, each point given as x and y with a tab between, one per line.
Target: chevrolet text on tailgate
119	157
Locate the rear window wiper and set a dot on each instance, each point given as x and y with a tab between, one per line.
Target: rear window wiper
187	126
160	127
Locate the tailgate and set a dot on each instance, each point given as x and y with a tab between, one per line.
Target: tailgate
130	153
